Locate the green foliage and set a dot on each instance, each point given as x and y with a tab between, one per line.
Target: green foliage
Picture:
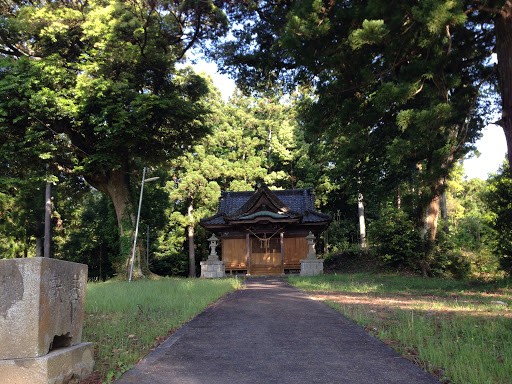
397	242
396	86
93	237
93	88
499	201
470	233
170	262
372	32
464	242
467	211
352	260
341	233
446	259
253	140
21	216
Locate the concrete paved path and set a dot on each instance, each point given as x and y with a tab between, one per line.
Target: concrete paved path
271	332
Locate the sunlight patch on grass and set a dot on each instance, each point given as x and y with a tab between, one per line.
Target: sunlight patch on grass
451	328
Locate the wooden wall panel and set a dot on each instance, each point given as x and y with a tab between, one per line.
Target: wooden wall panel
234	253
295	249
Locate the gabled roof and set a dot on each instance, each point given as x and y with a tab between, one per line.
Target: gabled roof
291	205
262	203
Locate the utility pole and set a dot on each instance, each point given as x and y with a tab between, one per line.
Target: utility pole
47	217
144	180
147	249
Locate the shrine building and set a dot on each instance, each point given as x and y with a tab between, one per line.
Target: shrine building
264	232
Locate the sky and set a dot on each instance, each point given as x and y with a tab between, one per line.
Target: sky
492	146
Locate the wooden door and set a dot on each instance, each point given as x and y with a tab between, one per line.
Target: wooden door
234	254
266	258
295	250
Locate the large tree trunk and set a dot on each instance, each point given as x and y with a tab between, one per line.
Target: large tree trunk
191	250
431	217
503	28
115	184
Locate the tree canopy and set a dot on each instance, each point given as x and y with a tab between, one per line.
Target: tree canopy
398	86
371	103
93	88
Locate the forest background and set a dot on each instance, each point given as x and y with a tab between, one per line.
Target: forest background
372	105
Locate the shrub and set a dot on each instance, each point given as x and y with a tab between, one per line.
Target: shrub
353	259
397	243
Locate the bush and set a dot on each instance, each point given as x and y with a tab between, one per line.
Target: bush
354	259
397	243
170	264
339	235
452	263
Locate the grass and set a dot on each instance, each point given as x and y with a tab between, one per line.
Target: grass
456	330
125	321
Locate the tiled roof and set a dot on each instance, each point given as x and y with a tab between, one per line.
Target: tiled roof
300	202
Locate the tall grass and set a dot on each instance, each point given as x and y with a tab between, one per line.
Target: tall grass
460	331
126	320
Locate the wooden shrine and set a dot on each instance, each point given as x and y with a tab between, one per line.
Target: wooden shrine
264	232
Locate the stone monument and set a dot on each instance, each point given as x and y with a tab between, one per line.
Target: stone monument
213	267
311	265
41	315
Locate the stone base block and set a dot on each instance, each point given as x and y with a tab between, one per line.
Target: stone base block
213	269
311	267
57	367
41	306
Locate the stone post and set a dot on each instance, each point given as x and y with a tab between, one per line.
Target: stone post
213	267
41	315
311	265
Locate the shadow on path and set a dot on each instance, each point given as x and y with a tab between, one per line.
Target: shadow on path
271	332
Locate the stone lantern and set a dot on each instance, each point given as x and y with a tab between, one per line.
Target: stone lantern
213	267
311	246
213	248
311	265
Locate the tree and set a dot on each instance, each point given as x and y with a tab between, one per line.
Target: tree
397	242
499	202
267	143
254	140
502	14
93	86
396	84
195	188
